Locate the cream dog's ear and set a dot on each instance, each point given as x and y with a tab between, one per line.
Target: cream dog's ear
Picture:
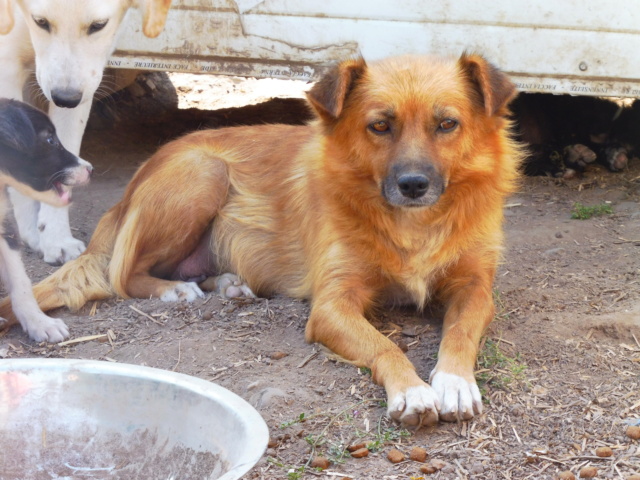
6	16
154	15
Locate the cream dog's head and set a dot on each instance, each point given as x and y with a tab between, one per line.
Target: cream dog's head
72	40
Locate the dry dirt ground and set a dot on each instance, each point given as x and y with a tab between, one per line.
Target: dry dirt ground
560	367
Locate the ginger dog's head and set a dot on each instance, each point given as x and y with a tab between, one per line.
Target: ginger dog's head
413	126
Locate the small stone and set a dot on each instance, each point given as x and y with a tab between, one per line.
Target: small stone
604	452
438	464
360	453
268	397
633	432
566	475
320	462
278	355
418	454
273	443
588	472
395	456
357	446
207	315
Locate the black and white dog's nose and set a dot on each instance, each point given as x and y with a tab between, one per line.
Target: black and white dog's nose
413	185
66	98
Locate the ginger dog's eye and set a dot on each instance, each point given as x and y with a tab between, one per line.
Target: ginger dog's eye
447	125
379	127
43	23
97	26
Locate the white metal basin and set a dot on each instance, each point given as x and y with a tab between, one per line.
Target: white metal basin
64	419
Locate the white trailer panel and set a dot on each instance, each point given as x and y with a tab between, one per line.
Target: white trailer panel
582	47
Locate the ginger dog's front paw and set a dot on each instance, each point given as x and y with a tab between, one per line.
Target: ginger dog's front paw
459	399
414	407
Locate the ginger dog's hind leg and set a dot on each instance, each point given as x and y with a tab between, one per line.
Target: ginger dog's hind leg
171	203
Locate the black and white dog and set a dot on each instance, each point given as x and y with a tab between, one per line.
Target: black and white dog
33	162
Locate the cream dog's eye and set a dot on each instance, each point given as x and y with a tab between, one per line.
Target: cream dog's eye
97	26
43	23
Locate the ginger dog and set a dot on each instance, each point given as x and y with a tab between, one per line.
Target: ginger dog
394	194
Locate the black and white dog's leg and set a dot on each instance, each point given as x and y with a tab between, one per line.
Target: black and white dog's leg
39	327
55	239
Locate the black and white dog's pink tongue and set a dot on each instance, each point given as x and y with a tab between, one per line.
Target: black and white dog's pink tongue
63	192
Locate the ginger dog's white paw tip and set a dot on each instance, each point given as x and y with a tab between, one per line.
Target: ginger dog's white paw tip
415	407
459	399
186	291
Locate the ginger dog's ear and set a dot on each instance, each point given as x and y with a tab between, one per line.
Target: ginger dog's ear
494	88
328	95
6	16
154	16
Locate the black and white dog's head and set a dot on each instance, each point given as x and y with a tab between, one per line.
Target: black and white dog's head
32	159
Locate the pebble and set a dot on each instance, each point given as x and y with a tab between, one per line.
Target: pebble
395	455
476	469
418	454
438	464
566	475
278	355
320	462
604	452
633	432
360	453
588	472
273	442
269	397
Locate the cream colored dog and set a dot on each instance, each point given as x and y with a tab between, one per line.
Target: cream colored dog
68	43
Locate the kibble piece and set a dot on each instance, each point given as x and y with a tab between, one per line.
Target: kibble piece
278	355
361	453
320	462
633	432
418	454
357	446
428	469
588	472
273	443
566	475
395	455
604	452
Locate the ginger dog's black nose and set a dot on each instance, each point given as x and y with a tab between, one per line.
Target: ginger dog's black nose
413	185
